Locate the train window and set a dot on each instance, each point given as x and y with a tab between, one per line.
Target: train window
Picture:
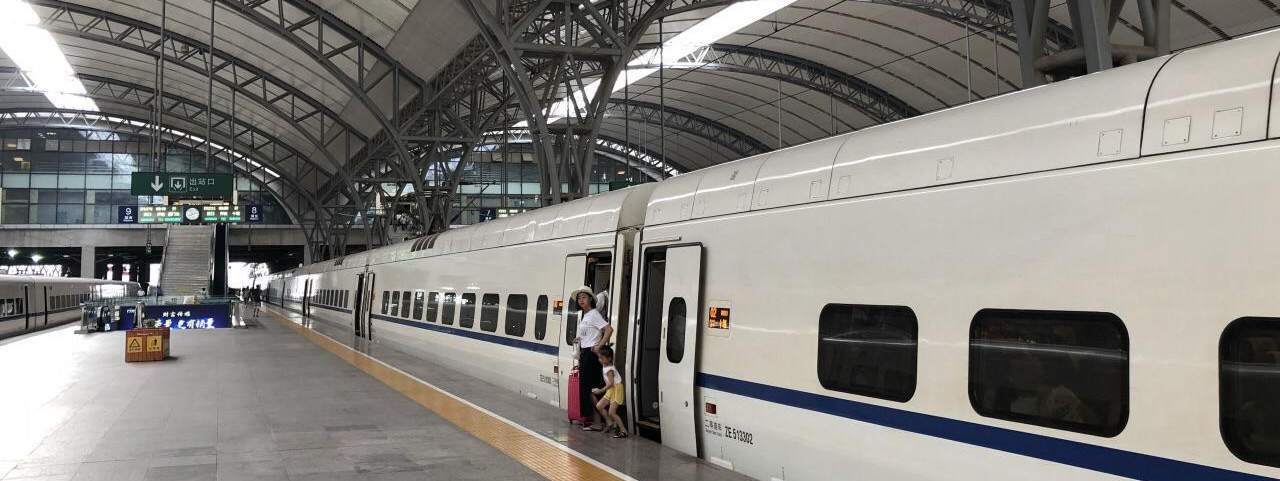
418	298
386	298
1249	389
446	311
540	319
517	312
1057	369
404	305
395	303
868	350
8	307
489	312
467	314
432	300
675	330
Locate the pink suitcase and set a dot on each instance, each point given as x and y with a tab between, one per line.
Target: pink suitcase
575	409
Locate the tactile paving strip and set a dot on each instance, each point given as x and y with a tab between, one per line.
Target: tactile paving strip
549	459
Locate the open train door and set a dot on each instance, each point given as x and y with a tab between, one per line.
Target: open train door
574	267
357	309
681	298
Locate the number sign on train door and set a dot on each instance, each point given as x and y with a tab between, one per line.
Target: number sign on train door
682	303
575	267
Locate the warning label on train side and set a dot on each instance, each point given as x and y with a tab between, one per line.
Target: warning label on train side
134	345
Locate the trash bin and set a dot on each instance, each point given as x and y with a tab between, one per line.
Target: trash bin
146	344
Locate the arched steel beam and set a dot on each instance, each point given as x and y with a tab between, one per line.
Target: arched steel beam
995	15
51	117
281	157
312	119
286	18
297	107
688	122
859	94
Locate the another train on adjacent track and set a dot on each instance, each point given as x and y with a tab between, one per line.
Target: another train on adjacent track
1078	281
31	303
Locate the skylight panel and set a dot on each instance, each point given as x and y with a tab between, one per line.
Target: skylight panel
38	57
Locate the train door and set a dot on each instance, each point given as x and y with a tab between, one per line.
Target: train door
364	305
306	297
26	301
357	314
46	305
667	345
574	266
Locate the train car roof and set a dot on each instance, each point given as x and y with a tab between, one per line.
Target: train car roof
606	212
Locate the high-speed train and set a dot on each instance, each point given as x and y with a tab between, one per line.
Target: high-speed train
1077	281
31	303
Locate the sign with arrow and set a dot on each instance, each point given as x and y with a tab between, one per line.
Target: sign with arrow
182	184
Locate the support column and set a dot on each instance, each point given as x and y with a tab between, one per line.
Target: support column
87	255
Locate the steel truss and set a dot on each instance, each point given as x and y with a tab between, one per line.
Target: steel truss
872	101
308	116
1093	21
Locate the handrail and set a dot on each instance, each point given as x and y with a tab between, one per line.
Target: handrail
164	259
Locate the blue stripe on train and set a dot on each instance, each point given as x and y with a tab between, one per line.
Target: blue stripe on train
1072	453
1082	455
480	336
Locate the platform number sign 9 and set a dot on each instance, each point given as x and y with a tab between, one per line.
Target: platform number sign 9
718	318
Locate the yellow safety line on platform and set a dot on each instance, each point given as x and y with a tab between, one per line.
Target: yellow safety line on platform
544	456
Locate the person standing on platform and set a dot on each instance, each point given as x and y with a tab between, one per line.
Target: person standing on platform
593	333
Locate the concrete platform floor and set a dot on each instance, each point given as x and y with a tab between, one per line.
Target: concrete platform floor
254	404
639	458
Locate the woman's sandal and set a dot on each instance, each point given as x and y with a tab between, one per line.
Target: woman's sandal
619	435
590	428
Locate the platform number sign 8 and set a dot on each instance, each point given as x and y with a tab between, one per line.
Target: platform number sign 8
253	213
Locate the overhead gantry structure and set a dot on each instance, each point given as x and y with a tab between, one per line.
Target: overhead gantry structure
345	125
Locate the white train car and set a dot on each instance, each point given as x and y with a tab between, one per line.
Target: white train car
30	303
486	299
1076	281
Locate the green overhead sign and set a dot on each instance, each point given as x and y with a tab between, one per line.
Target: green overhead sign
182	185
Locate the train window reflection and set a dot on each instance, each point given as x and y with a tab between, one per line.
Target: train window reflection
467	316
418	298
489	312
386	299
1057	369
675	330
517	312
446	311
433	300
404	304
1249	381
540	319
395	303
868	350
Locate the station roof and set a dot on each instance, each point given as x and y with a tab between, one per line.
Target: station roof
779	81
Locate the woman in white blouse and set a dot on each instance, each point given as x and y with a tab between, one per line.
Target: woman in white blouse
593	332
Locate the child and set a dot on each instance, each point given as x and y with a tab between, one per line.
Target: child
612	393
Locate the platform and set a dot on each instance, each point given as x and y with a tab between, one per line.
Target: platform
286	400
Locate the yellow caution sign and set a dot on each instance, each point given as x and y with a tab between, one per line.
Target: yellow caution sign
154	343
134	345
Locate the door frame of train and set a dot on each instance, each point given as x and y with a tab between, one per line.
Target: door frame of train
26	305
370	278
567	360
357	310
678	411
306	298
46	305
